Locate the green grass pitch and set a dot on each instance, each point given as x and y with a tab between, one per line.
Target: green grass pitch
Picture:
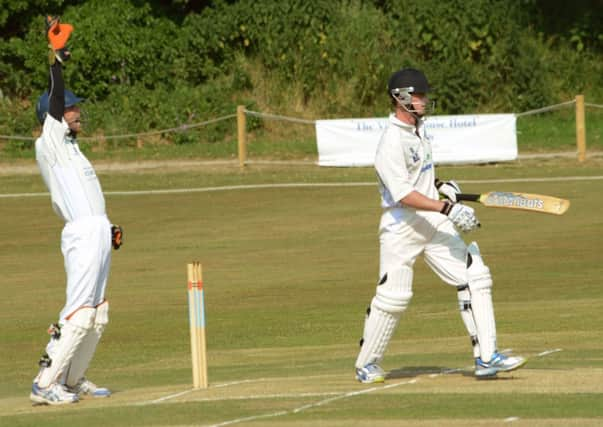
288	273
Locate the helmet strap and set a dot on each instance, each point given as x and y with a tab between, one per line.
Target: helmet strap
410	110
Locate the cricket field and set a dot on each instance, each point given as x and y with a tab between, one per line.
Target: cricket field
290	260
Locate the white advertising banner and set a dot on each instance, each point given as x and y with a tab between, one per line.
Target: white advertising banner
478	138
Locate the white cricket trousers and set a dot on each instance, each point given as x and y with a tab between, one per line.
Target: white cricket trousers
86	247
401	242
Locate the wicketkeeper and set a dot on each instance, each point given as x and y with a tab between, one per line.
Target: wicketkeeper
86	239
416	222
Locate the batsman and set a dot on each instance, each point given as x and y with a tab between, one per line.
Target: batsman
86	239
416	222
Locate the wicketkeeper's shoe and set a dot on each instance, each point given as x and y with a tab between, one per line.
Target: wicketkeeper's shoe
371	373
498	363
87	387
55	394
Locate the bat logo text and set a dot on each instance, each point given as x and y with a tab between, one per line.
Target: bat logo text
515	200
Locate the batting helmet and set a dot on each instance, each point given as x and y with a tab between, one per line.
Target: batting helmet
44	103
405	82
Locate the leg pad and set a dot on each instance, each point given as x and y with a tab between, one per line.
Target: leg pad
83	357
391	299
62	351
480	286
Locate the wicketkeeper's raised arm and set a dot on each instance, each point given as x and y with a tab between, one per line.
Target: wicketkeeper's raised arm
56	92
58	34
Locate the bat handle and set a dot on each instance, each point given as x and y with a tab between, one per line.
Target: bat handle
468	197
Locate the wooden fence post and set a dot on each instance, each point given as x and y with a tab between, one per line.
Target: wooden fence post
242	135
580	128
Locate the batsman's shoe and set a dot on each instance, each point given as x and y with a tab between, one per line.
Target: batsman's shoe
498	363
371	373
87	387
55	394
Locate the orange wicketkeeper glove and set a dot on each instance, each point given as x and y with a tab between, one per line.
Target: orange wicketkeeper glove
58	34
117	238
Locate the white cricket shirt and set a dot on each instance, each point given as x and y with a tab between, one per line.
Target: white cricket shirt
404	163
70	178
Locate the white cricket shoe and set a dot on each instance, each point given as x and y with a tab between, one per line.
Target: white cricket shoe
371	373
498	363
55	394
87	387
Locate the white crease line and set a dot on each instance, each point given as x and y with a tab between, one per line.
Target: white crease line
168	397
357	393
248	381
433	375
449	371
257	380
182	393
312	405
544	353
240	382
547	352
252	418
301	185
246	397
271	396
351	394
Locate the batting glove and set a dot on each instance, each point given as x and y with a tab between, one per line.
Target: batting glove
448	189
463	217
58	34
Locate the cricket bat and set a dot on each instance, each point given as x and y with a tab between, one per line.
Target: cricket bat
521	201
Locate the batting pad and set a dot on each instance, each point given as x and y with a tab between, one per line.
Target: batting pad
72	334
391	299
83	356
480	286
464	298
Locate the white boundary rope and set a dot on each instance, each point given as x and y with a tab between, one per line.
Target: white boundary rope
17	138
279	117
181	128
545	109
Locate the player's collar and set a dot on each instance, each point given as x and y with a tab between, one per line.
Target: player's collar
395	121
70	138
